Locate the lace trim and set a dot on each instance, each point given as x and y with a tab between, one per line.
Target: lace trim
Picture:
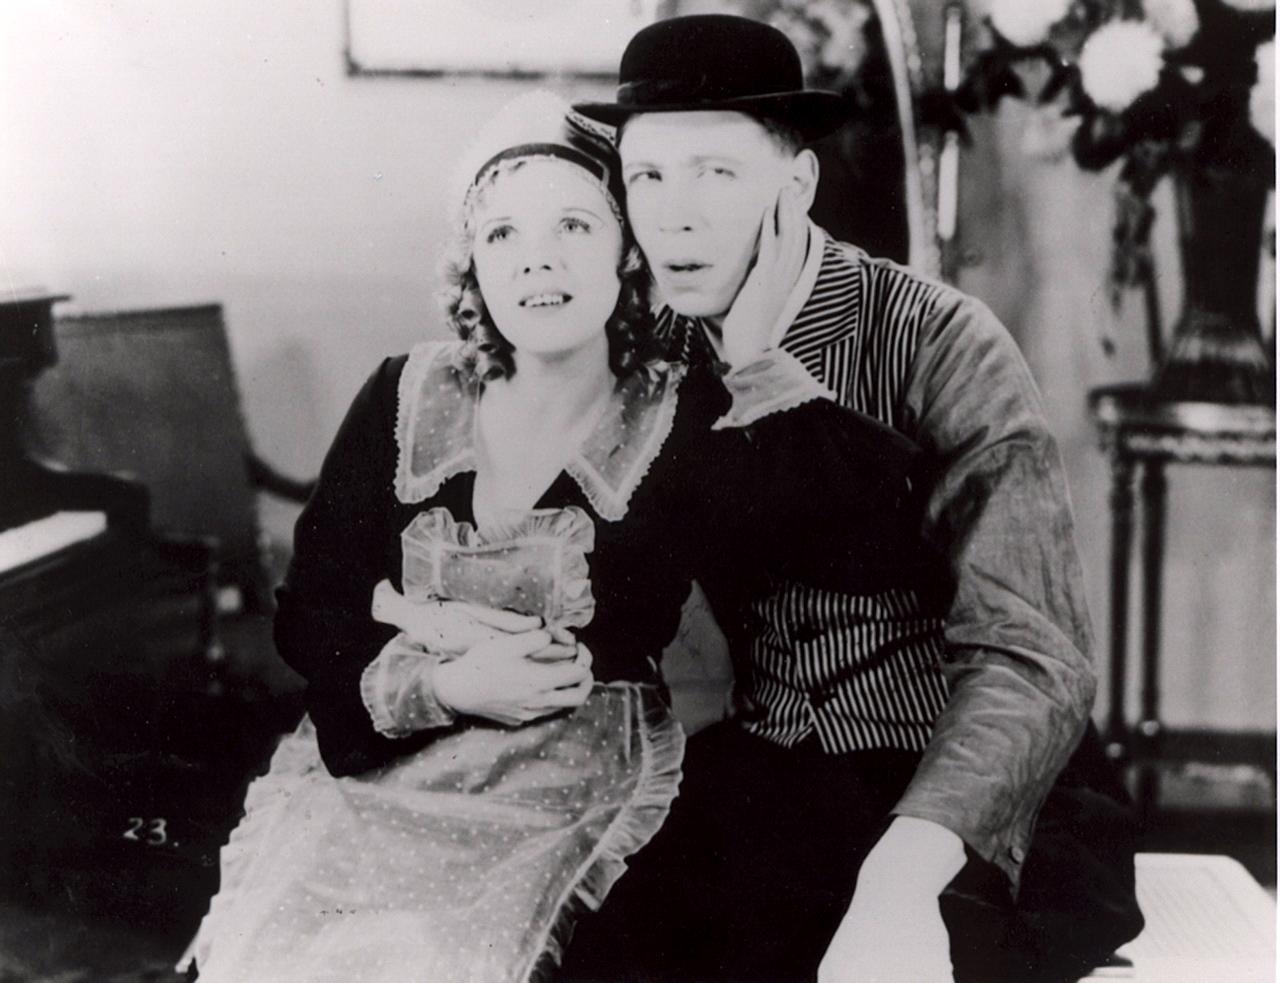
435	430
568	533
405	671
662	745
266	806
646	412
773	383
433	390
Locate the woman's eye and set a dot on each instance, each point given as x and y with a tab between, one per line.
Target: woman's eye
498	233
576	225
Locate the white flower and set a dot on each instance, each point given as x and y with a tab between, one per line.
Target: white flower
1262	100
845	47
1250	4
1120	61
1026	22
1176	20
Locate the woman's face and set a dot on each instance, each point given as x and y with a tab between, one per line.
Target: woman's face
546	253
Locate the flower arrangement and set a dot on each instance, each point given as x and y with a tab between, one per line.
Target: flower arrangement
829	35
1164	87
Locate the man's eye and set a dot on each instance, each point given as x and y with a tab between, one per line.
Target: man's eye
721	172
641	177
498	233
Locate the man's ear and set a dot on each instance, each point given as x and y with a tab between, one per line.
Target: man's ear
804	177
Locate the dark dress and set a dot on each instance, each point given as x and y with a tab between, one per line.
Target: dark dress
463	851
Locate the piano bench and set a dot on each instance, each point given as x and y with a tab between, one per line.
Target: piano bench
1207	920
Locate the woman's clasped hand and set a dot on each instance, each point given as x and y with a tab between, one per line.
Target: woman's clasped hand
505	666
514	679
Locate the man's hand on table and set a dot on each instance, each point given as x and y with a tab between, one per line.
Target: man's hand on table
893	931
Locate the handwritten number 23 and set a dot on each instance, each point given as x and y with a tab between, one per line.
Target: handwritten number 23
152	831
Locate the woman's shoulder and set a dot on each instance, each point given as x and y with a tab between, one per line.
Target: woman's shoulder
435	410
667	425
384	387
687	399
440	357
701	395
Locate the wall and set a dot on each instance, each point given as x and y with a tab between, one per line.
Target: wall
164	153
161	153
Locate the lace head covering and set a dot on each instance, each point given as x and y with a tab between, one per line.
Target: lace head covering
539	126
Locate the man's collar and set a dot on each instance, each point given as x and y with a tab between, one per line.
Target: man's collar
801	292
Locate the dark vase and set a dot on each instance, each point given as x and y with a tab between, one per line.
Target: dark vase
1217	353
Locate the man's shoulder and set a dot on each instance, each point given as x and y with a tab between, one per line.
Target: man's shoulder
891	281
893	292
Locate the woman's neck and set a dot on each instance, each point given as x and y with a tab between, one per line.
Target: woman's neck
558	391
530	423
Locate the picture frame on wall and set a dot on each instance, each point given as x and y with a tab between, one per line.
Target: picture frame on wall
497	38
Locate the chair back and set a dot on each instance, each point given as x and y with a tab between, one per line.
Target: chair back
153	393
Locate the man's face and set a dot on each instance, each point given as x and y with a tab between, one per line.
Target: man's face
698	184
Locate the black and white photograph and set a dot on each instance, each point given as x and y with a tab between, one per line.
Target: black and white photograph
637	491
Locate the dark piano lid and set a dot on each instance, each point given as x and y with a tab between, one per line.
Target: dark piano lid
29	295
26	330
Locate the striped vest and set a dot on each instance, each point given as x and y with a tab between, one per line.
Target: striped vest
859	672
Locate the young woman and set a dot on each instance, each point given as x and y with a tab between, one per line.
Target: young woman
446	808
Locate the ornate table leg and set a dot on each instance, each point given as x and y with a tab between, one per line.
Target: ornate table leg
1153	520
1117	737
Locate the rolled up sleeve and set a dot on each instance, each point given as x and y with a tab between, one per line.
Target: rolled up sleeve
1018	639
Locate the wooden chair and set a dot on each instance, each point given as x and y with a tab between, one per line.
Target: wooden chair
153	393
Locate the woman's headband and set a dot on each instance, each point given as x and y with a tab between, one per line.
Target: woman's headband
540	125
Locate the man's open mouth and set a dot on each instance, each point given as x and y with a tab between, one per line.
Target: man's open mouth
546	300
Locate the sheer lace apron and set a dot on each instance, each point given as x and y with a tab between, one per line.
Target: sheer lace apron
463	862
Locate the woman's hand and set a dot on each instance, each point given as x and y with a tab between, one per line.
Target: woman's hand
497	679
447	627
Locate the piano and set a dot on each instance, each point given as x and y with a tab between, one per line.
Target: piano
77	557
109	658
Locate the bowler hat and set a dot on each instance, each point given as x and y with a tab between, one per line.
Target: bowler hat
718	62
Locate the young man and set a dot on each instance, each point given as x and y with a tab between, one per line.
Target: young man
870	815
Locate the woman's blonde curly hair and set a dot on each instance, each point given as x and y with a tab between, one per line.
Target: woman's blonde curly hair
488	355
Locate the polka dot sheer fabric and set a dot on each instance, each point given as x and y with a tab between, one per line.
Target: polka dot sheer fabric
465	862
539	567
436	422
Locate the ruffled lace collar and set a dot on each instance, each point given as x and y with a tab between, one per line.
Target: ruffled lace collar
436	429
